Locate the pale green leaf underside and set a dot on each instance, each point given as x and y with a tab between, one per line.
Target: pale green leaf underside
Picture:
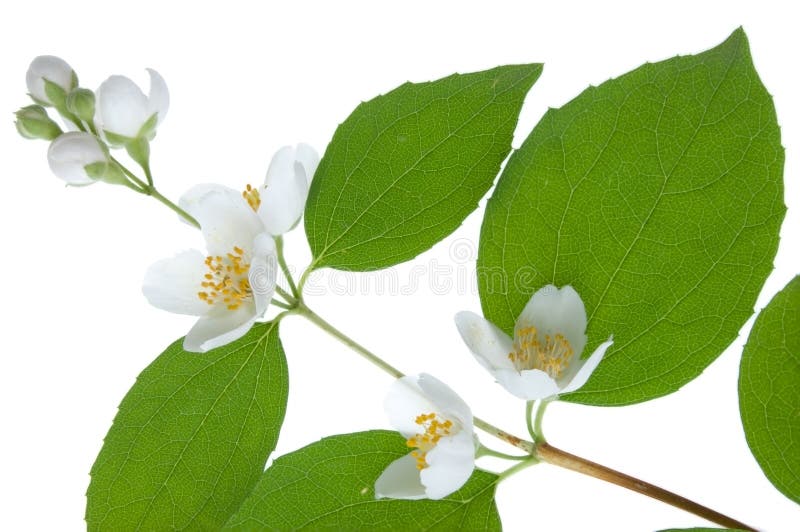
191	437
405	169
329	485
658	196
769	390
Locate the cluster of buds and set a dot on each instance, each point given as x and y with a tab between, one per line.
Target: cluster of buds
116	115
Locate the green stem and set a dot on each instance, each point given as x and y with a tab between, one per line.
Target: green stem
285	267
287	296
529	418
538	433
151	191
317	320
280	304
485	451
516	468
304	278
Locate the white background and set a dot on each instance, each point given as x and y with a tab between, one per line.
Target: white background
245	81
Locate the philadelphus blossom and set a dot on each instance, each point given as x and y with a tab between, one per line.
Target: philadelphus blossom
230	286
544	358
438	425
70	154
281	199
124	113
52	69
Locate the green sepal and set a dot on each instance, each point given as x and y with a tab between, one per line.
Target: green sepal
56	94
33	122
81	103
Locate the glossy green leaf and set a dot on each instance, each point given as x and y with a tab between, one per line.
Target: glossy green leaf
329	485
769	390
405	169
191	437
658	195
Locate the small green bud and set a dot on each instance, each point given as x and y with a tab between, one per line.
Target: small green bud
34	123
80	102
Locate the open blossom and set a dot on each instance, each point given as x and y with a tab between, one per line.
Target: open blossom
69	155
230	286
438	426
124	113
544	358
281	199
53	69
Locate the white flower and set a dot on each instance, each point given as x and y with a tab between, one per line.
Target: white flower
122	109
281	199
544	359
53	69
438	423
231	286
69	155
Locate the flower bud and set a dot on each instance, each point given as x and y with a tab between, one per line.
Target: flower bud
80	102
124	113
70	154
34	123
49	79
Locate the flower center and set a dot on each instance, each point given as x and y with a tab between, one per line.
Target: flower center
434	428
552	356
252	196
226	282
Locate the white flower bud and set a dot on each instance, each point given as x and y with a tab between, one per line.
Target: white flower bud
124	113
47	68
71	153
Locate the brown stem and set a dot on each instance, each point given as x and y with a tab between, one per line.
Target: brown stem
519	443
542	450
552	455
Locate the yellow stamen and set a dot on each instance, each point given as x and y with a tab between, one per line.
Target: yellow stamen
226	280
553	356
434	428
253	197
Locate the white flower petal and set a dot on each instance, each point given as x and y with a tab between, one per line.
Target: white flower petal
121	107
487	342
220	328
172	284
450	464
158	98
263	272
404	402
400	480
529	384
224	217
70	153
585	368
553	311
283	196
51	68
308	158
445	401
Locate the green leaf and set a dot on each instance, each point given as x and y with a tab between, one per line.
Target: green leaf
658	196
769	390
191	437
329	485
405	169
